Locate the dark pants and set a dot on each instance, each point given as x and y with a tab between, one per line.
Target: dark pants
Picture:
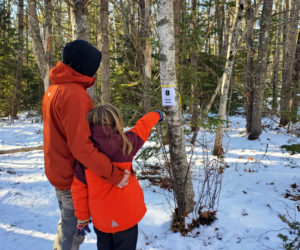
124	240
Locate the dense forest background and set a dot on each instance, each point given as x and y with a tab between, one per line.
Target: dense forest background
33	34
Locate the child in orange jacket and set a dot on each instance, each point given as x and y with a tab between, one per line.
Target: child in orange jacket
115	212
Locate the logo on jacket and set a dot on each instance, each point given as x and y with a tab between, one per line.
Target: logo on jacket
114	224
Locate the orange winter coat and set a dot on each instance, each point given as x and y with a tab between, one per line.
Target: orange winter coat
112	209
66	130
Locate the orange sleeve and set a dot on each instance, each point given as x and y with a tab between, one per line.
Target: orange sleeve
144	125
73	112
80	199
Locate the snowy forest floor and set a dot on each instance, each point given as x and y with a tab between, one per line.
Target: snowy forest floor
260	185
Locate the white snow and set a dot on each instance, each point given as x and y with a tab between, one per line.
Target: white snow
252	195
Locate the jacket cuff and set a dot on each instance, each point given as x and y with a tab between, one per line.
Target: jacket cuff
161	115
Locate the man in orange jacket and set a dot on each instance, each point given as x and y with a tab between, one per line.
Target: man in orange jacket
66	134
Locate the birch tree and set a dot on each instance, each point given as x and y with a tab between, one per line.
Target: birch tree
261	68
231	52
180	175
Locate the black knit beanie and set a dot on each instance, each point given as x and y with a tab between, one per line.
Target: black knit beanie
83	57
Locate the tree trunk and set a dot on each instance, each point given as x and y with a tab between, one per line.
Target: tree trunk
231	52
180	173
105	63
260	84
19	70
82	28
220	20
296	83
71	19
39	50
207	41
82	31
194	64
147	55
250	64
177	7
276	57
284	26
47	39
288	59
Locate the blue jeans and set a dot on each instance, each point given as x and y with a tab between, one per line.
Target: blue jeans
66	236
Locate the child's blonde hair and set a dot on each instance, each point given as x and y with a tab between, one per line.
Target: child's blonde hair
110	115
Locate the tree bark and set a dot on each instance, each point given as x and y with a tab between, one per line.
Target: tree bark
250	64
220	20
105	64
231	52
284	26
38	45
147	56
260	83
276	57
288	59
180	173
194	64
19	70
177	7
296	83
82	31
47	39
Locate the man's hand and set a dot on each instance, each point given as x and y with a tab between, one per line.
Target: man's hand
124	182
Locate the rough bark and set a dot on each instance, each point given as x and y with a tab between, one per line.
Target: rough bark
147	56
180	173
105	64
276	57
47	39
177	7
19	70
220	21
71	18
288	59
79	9
284	26
39	50
82	28
249	79
231	52
193	58
260	83
296	84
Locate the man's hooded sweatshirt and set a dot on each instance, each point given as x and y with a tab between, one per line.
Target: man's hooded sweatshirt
112	209
67	132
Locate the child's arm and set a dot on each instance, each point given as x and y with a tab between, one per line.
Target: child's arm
80	193
142	129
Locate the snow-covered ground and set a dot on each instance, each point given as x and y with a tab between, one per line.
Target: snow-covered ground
258	176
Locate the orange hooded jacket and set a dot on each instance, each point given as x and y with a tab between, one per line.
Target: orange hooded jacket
112	209
66	130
